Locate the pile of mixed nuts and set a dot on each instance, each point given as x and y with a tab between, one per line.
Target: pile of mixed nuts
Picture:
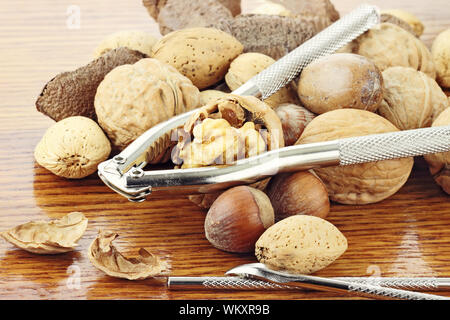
386	80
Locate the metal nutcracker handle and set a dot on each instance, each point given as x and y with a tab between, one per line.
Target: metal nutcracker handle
137	184
264	84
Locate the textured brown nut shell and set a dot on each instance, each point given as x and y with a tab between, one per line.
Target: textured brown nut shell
341	80
133	98
298	193
237	219
132	39
321	13
361	183
105	257
201	54
155	6
48	237
414	22
271	35
300	244
246	66
177	15
411	99
441	57
439	163
294	120
73	148
389	45
386	17
209	96
72	93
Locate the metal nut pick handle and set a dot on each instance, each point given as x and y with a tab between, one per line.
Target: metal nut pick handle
262	272
239	283
264	84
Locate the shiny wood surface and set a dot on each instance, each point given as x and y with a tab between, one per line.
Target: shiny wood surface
406	235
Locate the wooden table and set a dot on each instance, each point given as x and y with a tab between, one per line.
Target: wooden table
406	235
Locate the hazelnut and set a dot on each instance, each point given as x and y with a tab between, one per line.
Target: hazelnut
341	80
293	119
298	193
238	218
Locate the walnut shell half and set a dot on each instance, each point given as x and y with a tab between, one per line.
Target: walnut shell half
238	112
216	127
361	183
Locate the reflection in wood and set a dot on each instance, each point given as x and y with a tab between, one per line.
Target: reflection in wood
406	235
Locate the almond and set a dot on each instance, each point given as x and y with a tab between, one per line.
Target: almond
300	244
201	54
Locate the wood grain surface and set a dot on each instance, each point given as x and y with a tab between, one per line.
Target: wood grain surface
406	235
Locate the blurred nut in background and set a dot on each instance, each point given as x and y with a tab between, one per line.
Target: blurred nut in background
268	7
201	54
174	15
134	97
246	66
439	163
389	45
132	39
73	148
294	119
361	183
412	99
300	244
409	18
298	193
441	57
238	218
341	80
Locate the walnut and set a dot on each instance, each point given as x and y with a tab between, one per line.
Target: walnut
255	127
133	98
73	148
361	183
389	45
439	163
229	129
409	18
247	65
133	39
411	99
441	57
